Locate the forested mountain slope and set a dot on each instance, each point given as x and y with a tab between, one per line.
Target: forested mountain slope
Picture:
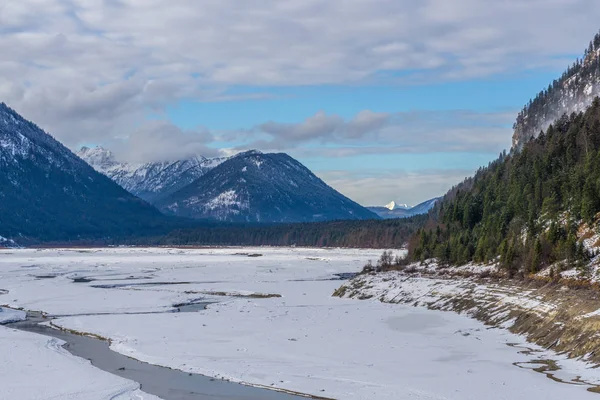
257	187
48	193
527	210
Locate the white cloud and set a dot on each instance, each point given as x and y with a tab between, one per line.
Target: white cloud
163	141
88	70
402	132
322	127
318	126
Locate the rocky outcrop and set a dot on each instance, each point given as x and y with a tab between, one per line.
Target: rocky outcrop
574	91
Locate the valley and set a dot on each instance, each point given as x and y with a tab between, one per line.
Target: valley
199	214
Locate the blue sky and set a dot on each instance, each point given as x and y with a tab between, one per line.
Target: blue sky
504	94
383	99
294	104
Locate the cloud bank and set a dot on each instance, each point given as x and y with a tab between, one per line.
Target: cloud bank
91	70
104	72
401	132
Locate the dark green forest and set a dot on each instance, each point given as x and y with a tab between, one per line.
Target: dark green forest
392	233
525	208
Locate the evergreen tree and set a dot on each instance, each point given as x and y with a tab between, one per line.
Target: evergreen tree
524	208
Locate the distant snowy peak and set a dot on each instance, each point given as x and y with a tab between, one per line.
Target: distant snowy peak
257	187
393	206
393	210
150	181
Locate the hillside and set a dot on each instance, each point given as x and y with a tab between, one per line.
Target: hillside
531	209
257	187
48	193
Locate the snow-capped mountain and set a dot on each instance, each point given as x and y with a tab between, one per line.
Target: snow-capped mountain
394	210
256	187
47	192
393	206
151	181
574	91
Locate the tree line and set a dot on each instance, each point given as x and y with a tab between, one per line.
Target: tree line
524	209
393	233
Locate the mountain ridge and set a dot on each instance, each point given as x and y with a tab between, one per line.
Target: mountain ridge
257	187
150	181
48	193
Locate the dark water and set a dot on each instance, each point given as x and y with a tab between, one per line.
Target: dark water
163	382
346	276
191	307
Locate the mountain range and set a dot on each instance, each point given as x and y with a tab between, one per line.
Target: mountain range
151	181
248	187
47	192
393	210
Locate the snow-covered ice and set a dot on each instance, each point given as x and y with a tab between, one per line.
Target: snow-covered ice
304	341
37	367
8	315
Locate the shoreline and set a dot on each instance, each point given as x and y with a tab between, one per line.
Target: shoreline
37	322
555	317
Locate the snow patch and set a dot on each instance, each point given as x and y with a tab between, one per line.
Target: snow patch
393	206
226	199
8	315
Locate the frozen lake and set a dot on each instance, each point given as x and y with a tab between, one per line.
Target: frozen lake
272	324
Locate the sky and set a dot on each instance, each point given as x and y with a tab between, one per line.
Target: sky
383	99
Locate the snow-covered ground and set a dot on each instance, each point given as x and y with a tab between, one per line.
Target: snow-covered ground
8	315
37	367
304	341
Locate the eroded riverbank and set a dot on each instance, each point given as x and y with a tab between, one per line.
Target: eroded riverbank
555	317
